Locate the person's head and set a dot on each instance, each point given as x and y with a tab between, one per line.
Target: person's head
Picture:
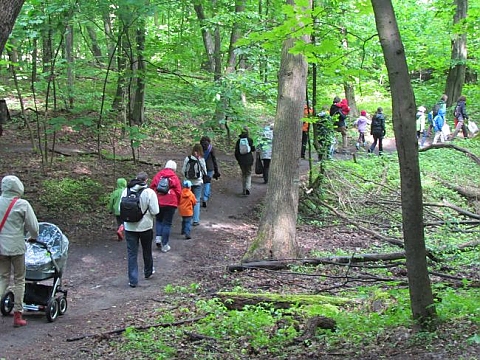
422	109
336	100
142	176
197	150
205	141
444	97
363	113
121	183
171	165
462	98
379	109
187	184
11	185
244	131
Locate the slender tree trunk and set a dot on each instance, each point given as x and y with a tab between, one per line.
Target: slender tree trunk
96	51
70	64
404	109
276	236
208	42
8	14
139	103
456	74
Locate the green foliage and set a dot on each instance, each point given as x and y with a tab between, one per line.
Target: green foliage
72	195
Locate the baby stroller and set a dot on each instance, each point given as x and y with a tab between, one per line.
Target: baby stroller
45	259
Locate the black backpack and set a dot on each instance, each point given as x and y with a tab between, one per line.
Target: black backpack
192	170
130	210
163	185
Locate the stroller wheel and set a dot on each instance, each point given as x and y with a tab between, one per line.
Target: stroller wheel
62	305
7	303
51	311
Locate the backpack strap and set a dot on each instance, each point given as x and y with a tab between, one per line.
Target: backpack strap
8	212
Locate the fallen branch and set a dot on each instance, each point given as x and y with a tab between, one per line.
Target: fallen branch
355	258
144	327
454	207
472	156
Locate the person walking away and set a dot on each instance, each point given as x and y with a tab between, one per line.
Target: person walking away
212	168
377	129
114	205
244	150
185	208
194	169
420	123
140	231
168	203
361	123
339	111
16	218
265	148
307	112
460	116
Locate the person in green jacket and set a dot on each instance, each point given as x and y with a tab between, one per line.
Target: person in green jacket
16	219
114	204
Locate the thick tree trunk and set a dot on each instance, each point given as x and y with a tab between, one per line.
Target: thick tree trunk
8	14
207	38
404	109
456	74
276	237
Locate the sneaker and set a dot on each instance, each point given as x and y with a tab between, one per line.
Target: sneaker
165	248
158	241
247	192
188	237
149	276
204	204
132	285
357	145
196	223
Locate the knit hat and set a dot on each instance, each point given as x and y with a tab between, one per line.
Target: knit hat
363	113
187	184
171	165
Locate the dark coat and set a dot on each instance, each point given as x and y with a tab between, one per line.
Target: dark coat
244	159
377	127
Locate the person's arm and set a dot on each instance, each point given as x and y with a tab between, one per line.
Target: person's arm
215	164
31	222
252	147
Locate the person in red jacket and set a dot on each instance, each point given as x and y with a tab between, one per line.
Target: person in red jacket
185	208
168	204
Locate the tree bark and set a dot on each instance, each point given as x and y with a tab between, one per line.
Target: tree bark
8	15
456	74
404	109
276	236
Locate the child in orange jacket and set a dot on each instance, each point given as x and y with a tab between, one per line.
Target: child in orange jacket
185	208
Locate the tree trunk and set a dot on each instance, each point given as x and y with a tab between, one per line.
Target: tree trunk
404	109
456	74
206	36
70	64
276	237
139	103
96	51
8	15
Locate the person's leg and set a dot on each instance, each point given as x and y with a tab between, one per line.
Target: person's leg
5	267
197	191
458	127
304	143
343	130
132	253
374	144
18	264
243	169
465	131
266	167
248	179
207	190
158	228
188	225
146	238
380	145
168	212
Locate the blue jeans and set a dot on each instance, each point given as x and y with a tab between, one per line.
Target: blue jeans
133	238
207	187
186	224
197	191
163	223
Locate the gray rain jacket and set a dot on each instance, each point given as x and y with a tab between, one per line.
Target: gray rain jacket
21	219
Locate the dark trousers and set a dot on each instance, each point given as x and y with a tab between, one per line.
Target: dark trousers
266	167
145	238
304	143
379	139
163	223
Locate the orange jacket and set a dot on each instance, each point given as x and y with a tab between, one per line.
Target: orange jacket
187	202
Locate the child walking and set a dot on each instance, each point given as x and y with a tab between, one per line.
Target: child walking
114	205
361	123
185	207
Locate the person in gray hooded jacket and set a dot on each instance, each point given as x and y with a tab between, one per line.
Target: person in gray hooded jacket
20	219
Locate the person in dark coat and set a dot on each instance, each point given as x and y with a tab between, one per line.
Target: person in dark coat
460	117
377	129
212	168
245	161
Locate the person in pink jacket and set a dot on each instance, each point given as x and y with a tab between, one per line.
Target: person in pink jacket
361	123
168	204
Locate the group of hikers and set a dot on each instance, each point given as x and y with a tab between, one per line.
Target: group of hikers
335	120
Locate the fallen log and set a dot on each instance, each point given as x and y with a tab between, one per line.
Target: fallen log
472	156
237	301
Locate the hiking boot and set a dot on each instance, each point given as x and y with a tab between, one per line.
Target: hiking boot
196	223
187	237
149	276
165	248
204	204
357	145
18	320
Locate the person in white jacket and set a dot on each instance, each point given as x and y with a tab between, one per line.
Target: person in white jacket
142	230
13	225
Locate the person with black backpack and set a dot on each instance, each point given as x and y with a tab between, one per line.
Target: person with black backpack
377	129
244	150
212	168
195	170
167	186
138	207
